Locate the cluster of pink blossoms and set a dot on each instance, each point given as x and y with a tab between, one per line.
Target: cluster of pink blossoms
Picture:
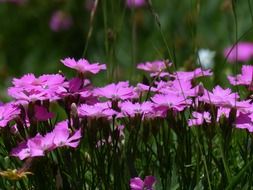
170	94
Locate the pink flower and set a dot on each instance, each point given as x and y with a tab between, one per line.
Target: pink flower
79	89
155	67
97	110
190	75
220	97
225	98
60	20
24	97
171	101
179	88
144	88
39	145
22	151
29	81
62	136
246	78
135	3
119	91
245	121
131	109
137	183
83	66
29	88
76	86
242	51
33	147
8	112
199	118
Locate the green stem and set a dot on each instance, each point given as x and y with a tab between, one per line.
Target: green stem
225	164
204	161
235	180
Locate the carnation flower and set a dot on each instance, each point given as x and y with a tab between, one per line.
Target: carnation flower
7	113
131	109
29	88
199	118
76	86
62	137
245	121
190	75
246	78
155	67
220	97
171	101
30	82
137	183
119	91
242	51
97	110
179	88
39	145
33	147
144	88
24	97
225	98
83	65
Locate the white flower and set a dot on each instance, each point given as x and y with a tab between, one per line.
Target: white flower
206	58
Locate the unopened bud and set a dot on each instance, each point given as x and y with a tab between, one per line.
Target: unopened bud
73	110
201	89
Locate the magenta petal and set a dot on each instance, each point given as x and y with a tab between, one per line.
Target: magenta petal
245	78
242	51
155	67
72	144
74	140
48	141
21	151
244	121
75	84
42	114
136	183
149	181
37	152
83	65
61	137
135	3
35	145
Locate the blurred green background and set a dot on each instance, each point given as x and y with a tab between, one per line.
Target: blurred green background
120	36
